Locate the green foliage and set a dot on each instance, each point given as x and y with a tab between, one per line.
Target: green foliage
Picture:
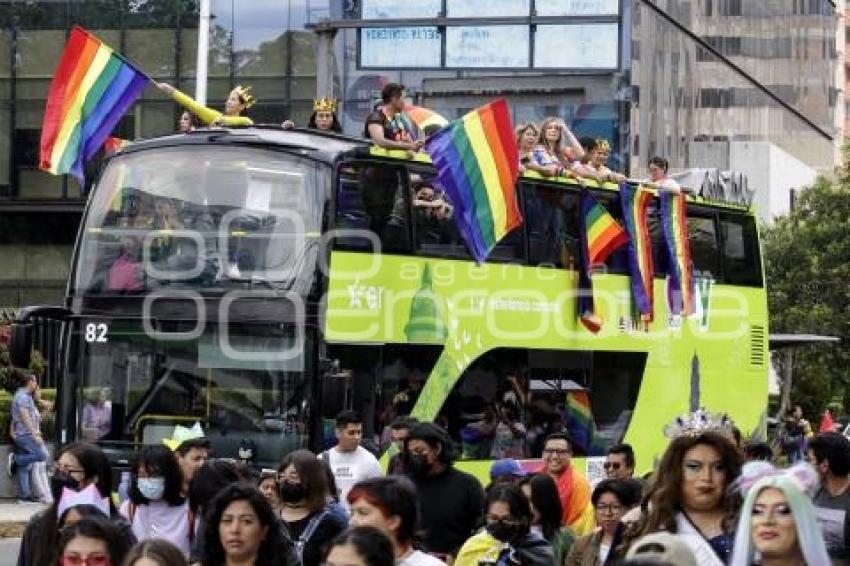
807	263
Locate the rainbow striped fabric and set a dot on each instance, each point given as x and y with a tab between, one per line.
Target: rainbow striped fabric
92	88
477	162
635	204
580	423
601	236
674	225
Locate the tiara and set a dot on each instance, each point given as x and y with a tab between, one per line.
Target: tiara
324	105
603	145
88	496
245	96
698	422
181	434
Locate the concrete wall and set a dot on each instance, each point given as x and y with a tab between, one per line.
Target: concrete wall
33	273
772	172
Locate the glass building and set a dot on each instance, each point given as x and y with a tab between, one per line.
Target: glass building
680	78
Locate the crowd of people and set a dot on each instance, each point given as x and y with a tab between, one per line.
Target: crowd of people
550	148
708	502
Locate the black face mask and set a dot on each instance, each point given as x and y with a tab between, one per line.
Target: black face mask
418	464
61	480
503	531
291	492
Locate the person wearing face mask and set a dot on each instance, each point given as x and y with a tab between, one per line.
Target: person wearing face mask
78	466
156	508
507	537
450	500
305	511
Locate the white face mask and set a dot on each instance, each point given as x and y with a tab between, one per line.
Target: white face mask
152	488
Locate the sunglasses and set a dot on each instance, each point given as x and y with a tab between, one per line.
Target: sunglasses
611	465
96	559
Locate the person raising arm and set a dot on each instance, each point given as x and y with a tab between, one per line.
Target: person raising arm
239	100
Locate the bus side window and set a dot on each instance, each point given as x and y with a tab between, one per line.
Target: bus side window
741	260
705	254
371	197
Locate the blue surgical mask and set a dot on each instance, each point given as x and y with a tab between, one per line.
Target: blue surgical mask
152	488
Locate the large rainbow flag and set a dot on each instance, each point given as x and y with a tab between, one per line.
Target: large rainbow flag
92	88
635	204
601	236
477	162
580	423
674	226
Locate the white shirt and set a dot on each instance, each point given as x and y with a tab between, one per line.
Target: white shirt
419	558
160	520
351	467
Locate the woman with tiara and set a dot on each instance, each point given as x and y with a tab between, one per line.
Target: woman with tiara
239	100
778	520
323	117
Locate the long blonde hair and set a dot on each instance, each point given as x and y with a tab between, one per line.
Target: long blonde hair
558	150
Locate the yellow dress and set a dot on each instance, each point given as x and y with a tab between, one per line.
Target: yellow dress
208	115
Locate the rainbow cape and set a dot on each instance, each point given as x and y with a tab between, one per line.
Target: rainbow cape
601	236
635	204
477	162
90	91
674	227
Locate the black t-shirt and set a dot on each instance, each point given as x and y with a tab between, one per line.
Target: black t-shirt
397	128
327	529
452	504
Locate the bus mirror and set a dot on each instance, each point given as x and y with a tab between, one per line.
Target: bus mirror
20	344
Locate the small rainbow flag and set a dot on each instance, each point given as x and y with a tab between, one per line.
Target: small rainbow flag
112	144
635	204
477	162
92	88
674	226
601	236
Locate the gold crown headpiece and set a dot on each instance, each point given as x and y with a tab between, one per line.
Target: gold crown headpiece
324	105
698	422
603	144
245	96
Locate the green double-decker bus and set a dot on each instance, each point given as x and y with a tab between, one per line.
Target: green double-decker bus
259	280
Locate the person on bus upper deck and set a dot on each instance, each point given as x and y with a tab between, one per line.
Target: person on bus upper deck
594	165
526	140
658	175
451	501
388	126
323	118
186	123
192	449
350	462
239	100
558	141
573	487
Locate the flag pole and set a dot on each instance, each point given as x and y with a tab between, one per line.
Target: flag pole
203	50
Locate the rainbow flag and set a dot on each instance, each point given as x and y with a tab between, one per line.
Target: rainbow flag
674	227
635	204
477	162
601	236
91	89
580	424
111	145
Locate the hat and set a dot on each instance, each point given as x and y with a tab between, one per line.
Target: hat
664	548
506	467
88	496
181	434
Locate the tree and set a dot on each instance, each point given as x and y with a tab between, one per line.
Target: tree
807	264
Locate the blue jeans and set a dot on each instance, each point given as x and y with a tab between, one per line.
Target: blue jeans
27	452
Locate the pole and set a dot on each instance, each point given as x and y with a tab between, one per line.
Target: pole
324	57
203	53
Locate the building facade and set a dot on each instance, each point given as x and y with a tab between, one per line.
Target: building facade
702	82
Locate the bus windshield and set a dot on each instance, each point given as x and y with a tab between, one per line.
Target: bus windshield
247	385
202	216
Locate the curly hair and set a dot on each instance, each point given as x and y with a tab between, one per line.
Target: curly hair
275	549
664	496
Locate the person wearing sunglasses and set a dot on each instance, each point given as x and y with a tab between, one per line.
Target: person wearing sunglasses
620	462
92	541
